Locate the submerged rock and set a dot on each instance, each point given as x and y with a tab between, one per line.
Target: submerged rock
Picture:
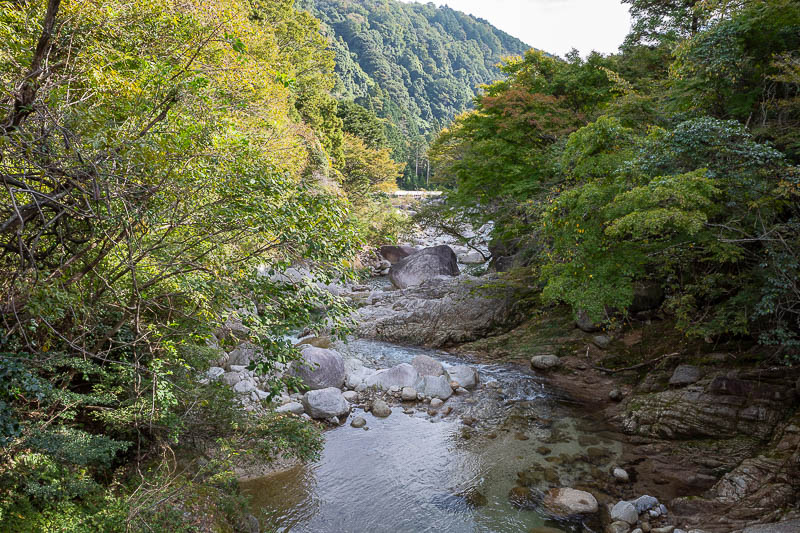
567	501
424	265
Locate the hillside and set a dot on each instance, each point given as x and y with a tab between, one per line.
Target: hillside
416	65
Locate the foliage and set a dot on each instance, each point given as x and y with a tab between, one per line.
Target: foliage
414	65
155	157
671	163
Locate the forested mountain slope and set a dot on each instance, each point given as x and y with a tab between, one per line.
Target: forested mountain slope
416	65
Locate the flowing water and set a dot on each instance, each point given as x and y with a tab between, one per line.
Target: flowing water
417	473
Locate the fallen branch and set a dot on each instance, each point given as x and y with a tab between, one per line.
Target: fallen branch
635	367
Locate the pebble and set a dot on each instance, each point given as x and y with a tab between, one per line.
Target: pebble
381	409
358	422
620	475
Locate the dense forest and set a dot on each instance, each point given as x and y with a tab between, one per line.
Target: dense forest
153	156
162	162
672	165
415	66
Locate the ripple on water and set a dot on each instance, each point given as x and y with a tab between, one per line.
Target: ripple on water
407	474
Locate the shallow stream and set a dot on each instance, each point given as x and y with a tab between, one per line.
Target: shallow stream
416	472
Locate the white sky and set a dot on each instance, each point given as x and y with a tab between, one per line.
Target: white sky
554	26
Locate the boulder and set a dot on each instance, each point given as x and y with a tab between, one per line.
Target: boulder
350	396
624	512
355	373
424	265
472	257
567	501
325	403
319	368
440	312
243	355
427	366
381	409
214	373
402	375
395	254
545	362
291	407
464	375
408	394
436	387
685	375
645	503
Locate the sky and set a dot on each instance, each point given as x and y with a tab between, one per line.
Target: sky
555	26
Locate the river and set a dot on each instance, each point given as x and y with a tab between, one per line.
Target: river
416	471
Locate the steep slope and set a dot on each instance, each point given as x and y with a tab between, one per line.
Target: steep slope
416	65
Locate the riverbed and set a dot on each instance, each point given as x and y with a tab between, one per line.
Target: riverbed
451	470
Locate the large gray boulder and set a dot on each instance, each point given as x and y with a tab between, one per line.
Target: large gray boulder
424	265
402	375
427	366
435	387
355	373
325	403
440	312
464	375
395	254
319	368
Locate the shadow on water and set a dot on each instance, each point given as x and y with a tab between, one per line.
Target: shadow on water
416	473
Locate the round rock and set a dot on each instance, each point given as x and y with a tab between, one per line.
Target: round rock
358	422
381	409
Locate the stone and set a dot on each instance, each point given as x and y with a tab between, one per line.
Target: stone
624	512
325	403
350	396
644	503
317	342
408	394
231	378
358	422
618	527
435	387
465	376
602	341
665	529
355	373
319	368
214	373
545	362
436	403
585	323
381	409
637	530
685	375
616	395
427	366
402	375
243	354
472	257
568	501
291	407
439	312
620	475
789	526
424	265
394	254
244	387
